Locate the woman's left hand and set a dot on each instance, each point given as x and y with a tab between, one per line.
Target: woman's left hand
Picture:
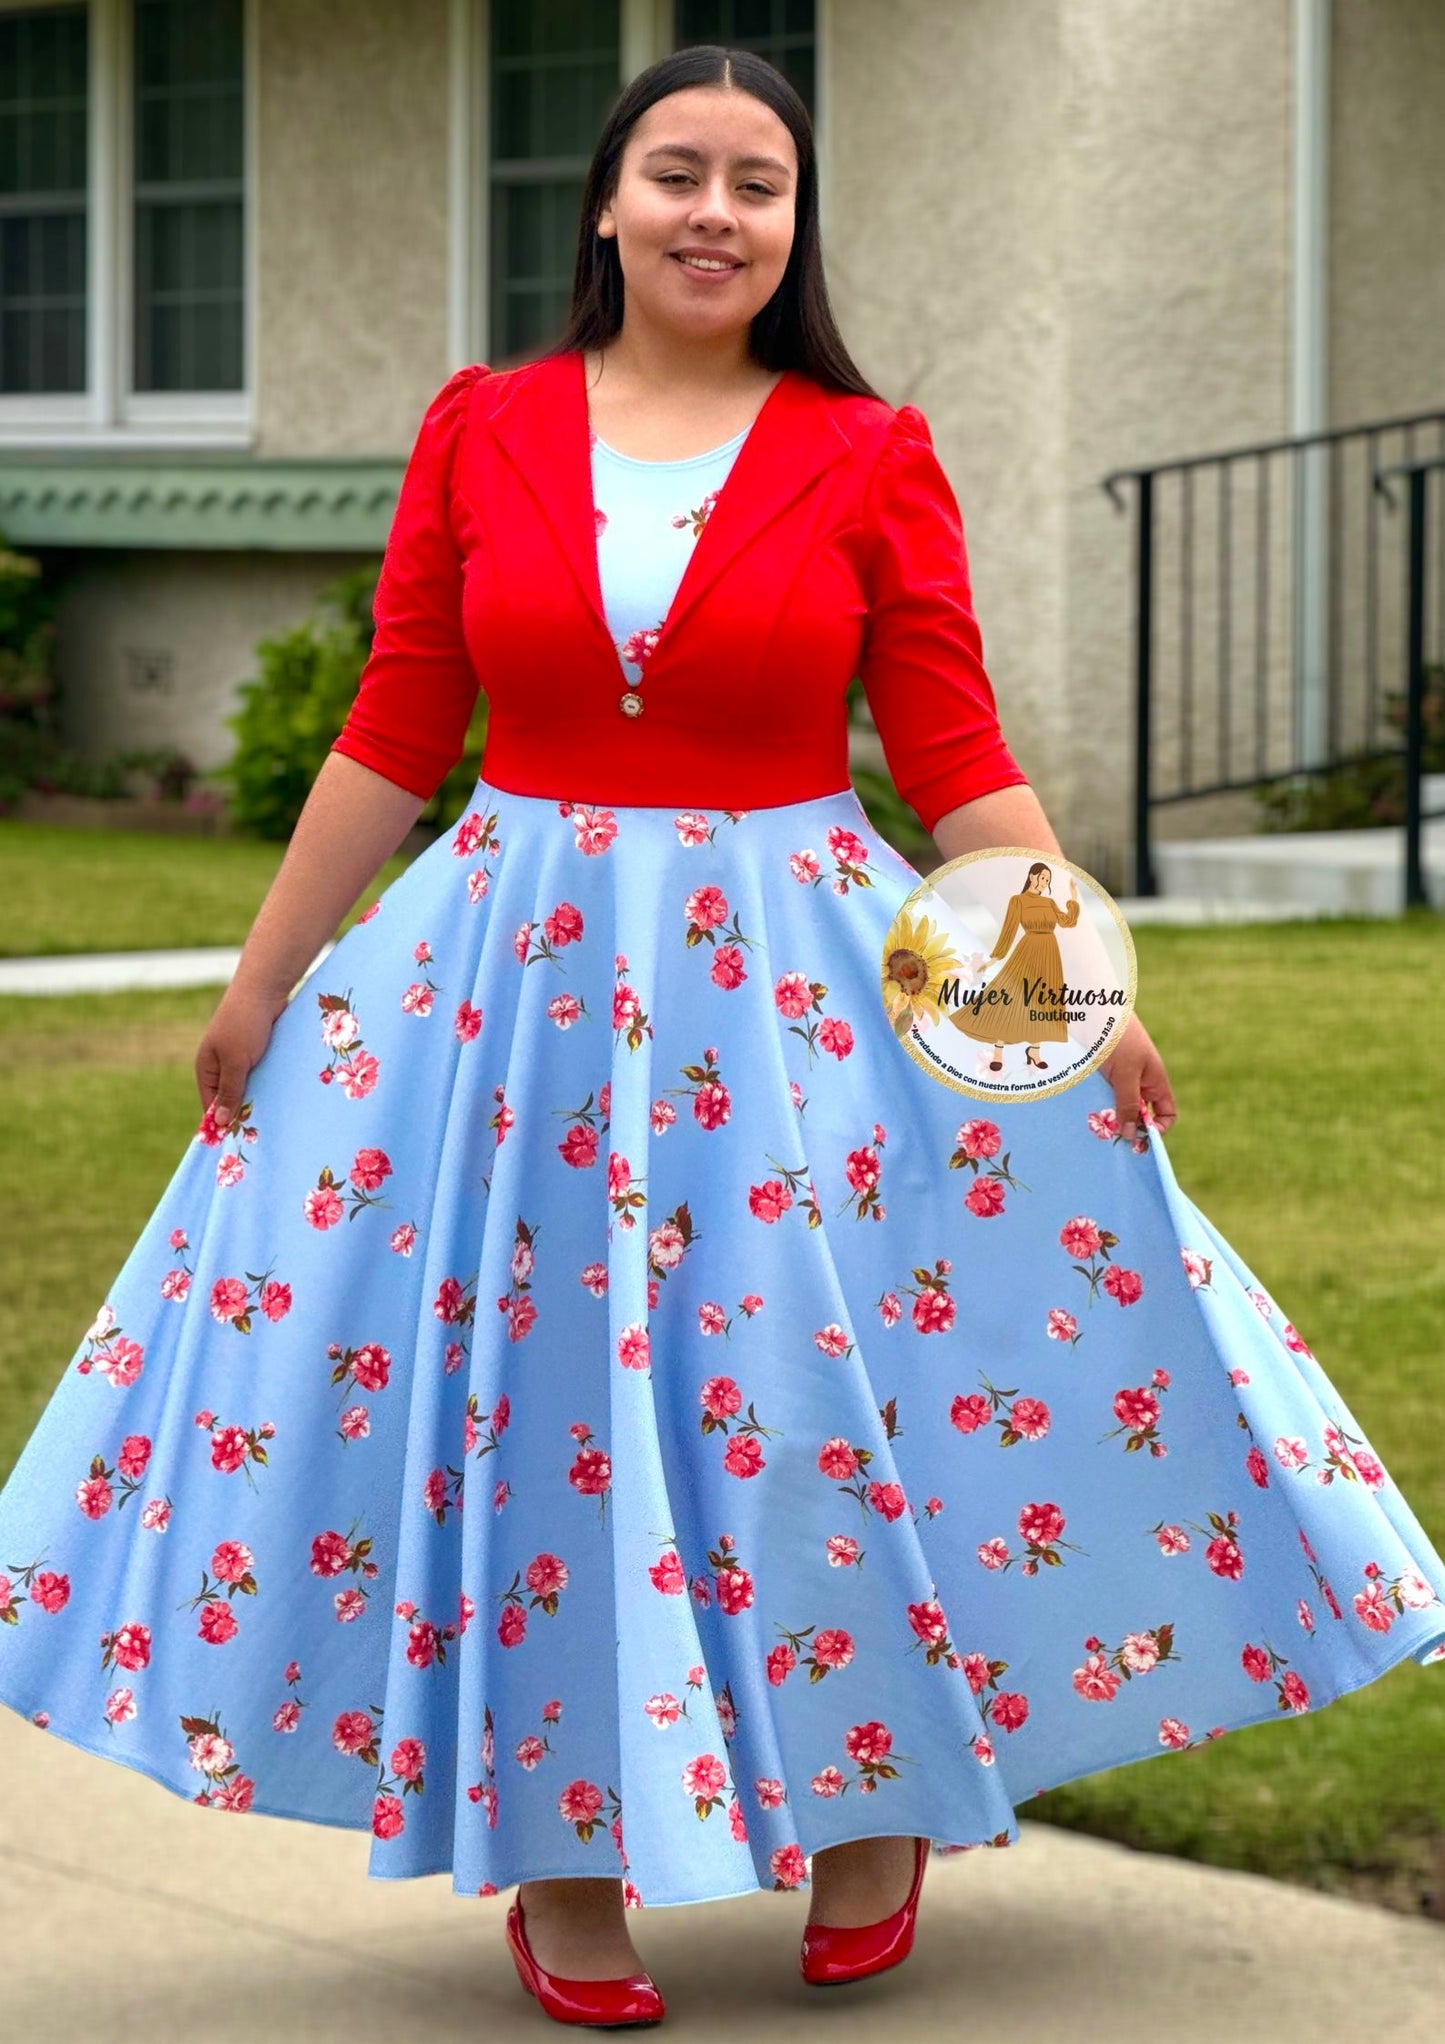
1136	1072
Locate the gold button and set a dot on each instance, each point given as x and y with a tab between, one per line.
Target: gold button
631	703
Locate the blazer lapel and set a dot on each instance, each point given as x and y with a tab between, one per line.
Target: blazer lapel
541	425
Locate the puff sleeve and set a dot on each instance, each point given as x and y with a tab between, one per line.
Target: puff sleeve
922	662
414	701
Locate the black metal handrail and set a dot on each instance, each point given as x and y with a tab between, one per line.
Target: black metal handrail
1346	711
1417	471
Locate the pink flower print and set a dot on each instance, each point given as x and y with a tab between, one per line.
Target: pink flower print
734	1585
1062	1326
49	1592
1198	1269
593	829
564	1010
1371	1469
1379	1604
1041	1523
666	1574
1262	1664
629	1019
639	646
1024	1419
868	1744
591	1471
1080	1238
579	1805
704	909
692	828
1041	1527
1096	1681
934	1308
634	1348
420	995
129	1647
887	1499
1415	1593
599	519
120	1361
1137	1409
235	1447
624	1195
838	1458
232	1302
928	1623
1127	1286
669	1242
1222	1552
863	1169
806	868
850	860
213	1756
727	969
704	1779
579	1146
696	519
476	833
340	1030
977	1139
1105	1671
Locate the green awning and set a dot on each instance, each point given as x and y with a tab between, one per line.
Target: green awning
175	499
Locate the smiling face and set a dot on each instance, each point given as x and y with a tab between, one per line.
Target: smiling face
709	172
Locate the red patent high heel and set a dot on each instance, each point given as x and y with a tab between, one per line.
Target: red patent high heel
629	1998
832	1954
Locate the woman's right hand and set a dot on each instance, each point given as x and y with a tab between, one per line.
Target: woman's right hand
232	1047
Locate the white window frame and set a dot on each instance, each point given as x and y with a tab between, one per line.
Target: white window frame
646	34
109	413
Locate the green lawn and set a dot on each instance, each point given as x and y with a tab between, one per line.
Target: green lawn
1305	1059
120	890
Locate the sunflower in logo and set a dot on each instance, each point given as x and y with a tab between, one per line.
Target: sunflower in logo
917	958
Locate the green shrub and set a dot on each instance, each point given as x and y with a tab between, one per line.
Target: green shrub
27	673
293	710
1359	794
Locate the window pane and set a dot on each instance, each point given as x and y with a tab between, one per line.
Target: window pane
555	69
783	31
189	195
43	225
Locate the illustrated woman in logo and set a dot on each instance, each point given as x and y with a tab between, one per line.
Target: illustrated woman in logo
1029	977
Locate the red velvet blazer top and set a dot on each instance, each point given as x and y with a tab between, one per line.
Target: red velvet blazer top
835	548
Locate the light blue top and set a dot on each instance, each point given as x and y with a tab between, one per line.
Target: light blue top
649	516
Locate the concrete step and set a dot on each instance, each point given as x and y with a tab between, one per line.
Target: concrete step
1324	872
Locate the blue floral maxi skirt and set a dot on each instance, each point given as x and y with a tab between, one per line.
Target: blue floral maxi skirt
605	1410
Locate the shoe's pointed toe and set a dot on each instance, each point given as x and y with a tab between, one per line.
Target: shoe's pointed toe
831	1954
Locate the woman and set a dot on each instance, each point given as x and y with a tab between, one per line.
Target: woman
584	1178
1030	971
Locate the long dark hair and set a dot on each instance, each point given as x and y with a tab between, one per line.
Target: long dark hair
796	328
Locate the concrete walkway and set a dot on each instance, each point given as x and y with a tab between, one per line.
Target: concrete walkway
107	971
132	1914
